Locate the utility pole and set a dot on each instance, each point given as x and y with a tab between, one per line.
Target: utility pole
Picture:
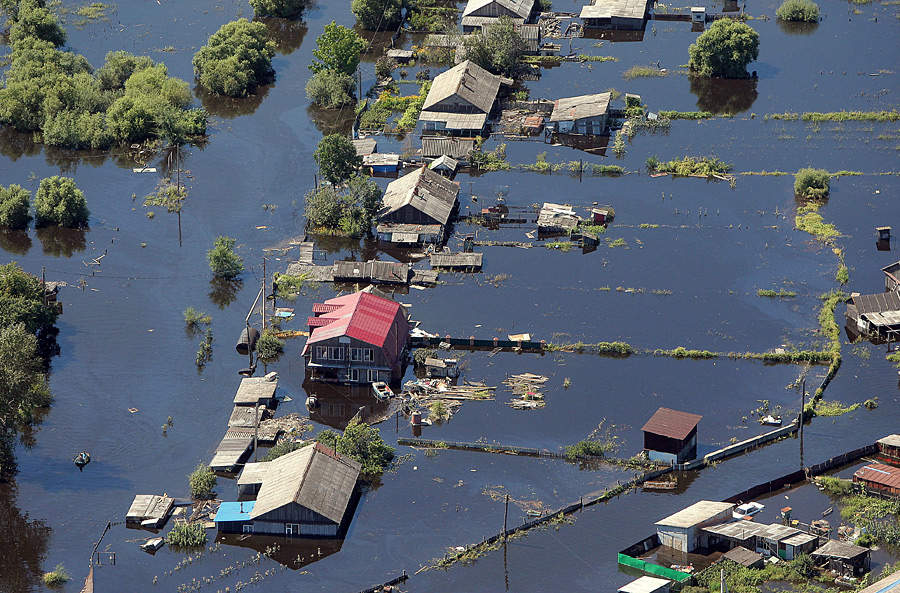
505	515
255	430
802	414
264	286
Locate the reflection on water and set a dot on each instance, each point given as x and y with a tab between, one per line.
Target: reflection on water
287	34
15	145
22	547
332	121
796	28
61	241
338	404
294	553
722	95
231	107
15	242
223	291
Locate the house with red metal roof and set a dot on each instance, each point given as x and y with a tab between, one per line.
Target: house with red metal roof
670	436
357	338
879	478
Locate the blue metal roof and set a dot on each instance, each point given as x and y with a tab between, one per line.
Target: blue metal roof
234	511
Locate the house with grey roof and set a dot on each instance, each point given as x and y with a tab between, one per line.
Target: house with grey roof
478	13
584	114
460	100
420	203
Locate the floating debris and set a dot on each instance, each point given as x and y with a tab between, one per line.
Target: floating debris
527	387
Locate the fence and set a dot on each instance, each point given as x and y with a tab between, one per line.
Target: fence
485	447
654	569
471	342
395	581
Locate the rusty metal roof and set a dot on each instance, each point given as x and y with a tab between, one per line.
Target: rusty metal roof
879	473
672	423
877	303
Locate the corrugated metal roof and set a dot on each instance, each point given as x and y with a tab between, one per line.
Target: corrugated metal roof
324	307
836	549
672	423
234	511
365	146
444	162
314	477
879	473
363	316
469	81
605	9
799	539
521	8
433	146
428	192
575	108
737	529
374	270
698	512
776	532
456	121
742	556
877	303
475	21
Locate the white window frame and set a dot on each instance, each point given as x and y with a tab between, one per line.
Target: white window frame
373	375
353	375
322	352
292	529
355	354
247	528
368	355
336	352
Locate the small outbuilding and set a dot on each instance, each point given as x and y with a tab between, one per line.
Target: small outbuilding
646	584
670	436
876	315
149	510
365	146
256	391
889	448
879	478
891	273
585	114
423	197
683	531
382	163
744	557
843	558
557	218
478	13
445	165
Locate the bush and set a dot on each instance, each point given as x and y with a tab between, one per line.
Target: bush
498	49
14	206
338	49
223	261
193	319
58	576
280	8
364	444
236	59
586	449
835	487
269	346
337	159
811	183
330	89
202	481
59	201
22	301
866	540
350	212
438	411
724	49
35	21
804	11
283	448
186	535
377	15
384	66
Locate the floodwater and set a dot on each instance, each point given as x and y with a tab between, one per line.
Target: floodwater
123	344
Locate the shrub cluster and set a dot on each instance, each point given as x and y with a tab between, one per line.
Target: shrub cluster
14	207
223	261
349	211
278	8
364	444
724	49
330	89
236	59
186	535
811	183
59	201
202	481
805	11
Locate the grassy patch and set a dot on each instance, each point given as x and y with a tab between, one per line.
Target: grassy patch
588	448
606	348
811	183
186	535
560	245
686	114
605	170
780	293
620	242
643	72
765	173
648	225
688	165
56	577
682	352
810	221
834	408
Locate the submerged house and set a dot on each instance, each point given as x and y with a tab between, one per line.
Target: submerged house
843	558
879	478
615	14
460	100
303	493
357	338
670	436
420	203
479	13
585	114
683	531
889	448
876	316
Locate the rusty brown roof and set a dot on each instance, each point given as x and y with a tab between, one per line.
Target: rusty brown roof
879	473
672	423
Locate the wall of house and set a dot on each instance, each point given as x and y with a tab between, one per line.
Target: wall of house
454	104
306	529
344	364
591	125
409	215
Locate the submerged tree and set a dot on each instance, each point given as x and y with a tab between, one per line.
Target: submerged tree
337	158
223	261
364	444
498	48
280	8
724	50
338	49
236	59
330	89
33	19
350	211
378	15
59	201
14	207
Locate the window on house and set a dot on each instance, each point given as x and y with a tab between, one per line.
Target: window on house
367	354
292	529
373	375
354	375
321	352
336	353
247	528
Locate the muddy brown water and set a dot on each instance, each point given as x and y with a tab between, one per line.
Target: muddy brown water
123	344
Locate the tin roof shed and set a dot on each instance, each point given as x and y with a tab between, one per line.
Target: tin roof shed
672	423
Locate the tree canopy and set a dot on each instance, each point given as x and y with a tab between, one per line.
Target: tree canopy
349	211
33	20
22	301
14	207
280	8
59	201
236	59
330	89
338	49
498	48
364	444
805	11
724	50
378	15
337	159
223	261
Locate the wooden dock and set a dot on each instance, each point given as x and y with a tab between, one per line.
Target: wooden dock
149	507
369	272
477	344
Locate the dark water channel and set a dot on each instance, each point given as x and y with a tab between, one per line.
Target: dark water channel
123	343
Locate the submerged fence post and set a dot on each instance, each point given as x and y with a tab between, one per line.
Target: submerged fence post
505	514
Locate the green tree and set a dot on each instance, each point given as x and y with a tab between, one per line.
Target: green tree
811	183
378	15
280	8
269	346
337	159
59	201
237	59
350	211
14	206
498	48
33	20
223	261
330	89
338	49
724	50
118	67
804	11
362	443
22	301
202	482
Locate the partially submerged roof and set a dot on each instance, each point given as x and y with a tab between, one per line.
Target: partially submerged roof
469	81
428	192
253	473
743	556
314	477
892	440
447	145
375	270
607	9
475	21
879	473
557	216
149	506
645	584
672	423
364	146
575	108
362	315
456	121
255	389
877	303
381	159
698	512
444	162
521	8
837	549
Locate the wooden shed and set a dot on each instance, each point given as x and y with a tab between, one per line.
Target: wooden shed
670	436
878	478
889	448
744	557
149	510
843	558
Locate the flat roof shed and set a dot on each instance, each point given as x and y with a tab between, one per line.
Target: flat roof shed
256	391
699	512
744	557
842	557
646	584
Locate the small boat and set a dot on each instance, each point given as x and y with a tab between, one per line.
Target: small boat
771	420
82	459
152	545
381	390
827	511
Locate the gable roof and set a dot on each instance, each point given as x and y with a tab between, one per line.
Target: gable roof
574	108
519	7
469	81
672	423
837	549
877	303
423	189
743	556
879	473
361	315
314	477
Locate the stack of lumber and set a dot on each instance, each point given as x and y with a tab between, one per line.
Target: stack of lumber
527	389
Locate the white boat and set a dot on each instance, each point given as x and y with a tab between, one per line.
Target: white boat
152	545
771	420
381	390
747	510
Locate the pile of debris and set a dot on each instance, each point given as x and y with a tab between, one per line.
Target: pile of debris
290	424
444	389
527	389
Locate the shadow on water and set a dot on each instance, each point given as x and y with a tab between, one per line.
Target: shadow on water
230	107
23	546
61	241
292	553
722	95
794	28
223	291
15	242
287	34
338	404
